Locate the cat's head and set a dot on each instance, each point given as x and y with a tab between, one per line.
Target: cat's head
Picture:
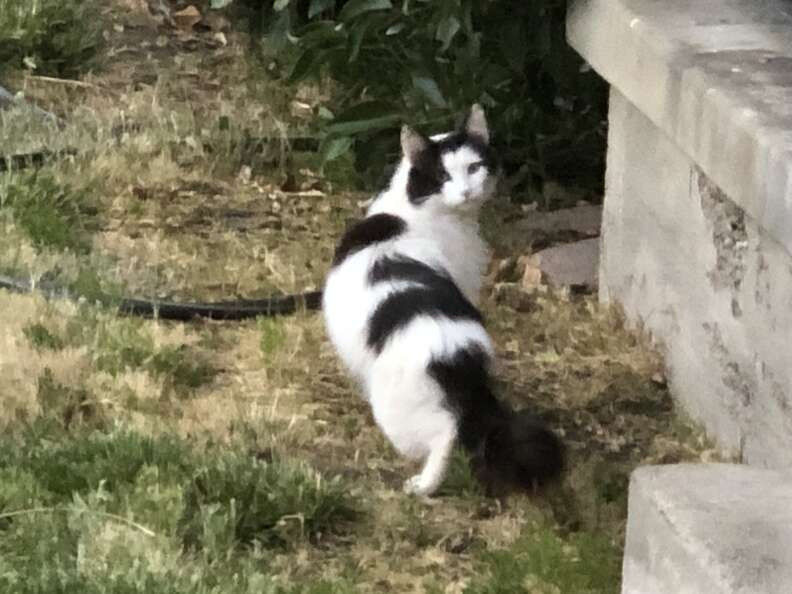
454	171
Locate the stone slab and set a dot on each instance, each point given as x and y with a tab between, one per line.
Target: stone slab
585	220
708	529
716	77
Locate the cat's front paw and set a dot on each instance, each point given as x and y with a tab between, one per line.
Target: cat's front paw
415	486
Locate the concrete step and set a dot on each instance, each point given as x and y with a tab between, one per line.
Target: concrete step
709	529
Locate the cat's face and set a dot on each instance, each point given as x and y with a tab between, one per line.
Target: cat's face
453	171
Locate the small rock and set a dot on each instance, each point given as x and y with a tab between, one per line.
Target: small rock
571	264
245	174
187	18
659	379
532	273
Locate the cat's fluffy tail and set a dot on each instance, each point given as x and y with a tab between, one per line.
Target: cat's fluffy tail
519	451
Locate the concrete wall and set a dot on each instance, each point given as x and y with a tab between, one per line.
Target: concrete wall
697	247
716	290
697	221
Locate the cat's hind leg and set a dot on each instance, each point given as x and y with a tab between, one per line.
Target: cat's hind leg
435	465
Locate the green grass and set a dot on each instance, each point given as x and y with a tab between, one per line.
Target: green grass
273	334
542	562
109	511
56	37
124	344
67	403
238	499
52	214
42	338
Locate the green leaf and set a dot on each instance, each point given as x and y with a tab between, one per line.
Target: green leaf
368	116
319	6
395	28
279	5
336	147
447	30
369	125
430	90
323	33
218	4
306	65
355	8
358	33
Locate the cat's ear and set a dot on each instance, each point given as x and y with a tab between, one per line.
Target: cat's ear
412	143
476	124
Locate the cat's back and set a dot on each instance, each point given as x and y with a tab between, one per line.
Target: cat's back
350	297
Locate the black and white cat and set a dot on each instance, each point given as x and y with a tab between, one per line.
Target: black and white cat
399	309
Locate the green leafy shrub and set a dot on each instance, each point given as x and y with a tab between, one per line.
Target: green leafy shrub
56	37
426	62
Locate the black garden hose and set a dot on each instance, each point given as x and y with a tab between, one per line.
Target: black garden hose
170	310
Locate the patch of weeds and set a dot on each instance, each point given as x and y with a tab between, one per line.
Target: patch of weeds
273	334
82	461
322	587
180	367
67	404
90	285
237	499
339	172
415	526
125	344
19	489
541	561
41	338
53	215
51	36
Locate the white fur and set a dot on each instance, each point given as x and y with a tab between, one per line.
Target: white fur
443	231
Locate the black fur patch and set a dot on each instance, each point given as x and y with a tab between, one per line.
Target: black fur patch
438	296
405	268
508	449
465	380
460	139
373	229
427	174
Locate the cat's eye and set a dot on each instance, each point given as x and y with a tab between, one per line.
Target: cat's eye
473	167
